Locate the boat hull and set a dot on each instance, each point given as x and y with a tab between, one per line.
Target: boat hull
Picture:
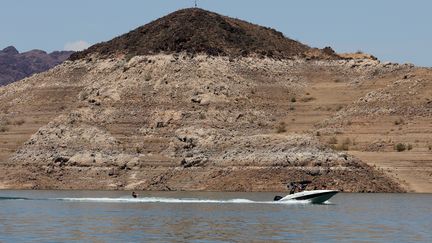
315	196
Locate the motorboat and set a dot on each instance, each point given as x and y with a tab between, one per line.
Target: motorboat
313	196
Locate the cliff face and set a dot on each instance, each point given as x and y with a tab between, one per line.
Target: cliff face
182	119
15	66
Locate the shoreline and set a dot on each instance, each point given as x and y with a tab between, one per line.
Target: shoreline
192	191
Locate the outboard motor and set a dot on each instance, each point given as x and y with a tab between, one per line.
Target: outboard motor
277	198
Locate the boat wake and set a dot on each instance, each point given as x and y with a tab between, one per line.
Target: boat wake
175	200
157	200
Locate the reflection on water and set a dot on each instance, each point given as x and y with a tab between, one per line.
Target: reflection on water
59	216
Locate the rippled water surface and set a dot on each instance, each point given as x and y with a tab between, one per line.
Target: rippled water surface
101	216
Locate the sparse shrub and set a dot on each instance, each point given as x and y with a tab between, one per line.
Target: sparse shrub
318	134
293	99
138	150
399	121
375	72
3	128
332	140
345	144
359	52
281	128
307	99
400	147
340	147
5	122
147	77
292	108
409	147
430	147
202	116
128	57
18	122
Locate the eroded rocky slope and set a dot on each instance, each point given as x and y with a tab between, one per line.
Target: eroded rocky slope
175	122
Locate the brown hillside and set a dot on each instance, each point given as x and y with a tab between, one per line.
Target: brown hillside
168	122
198	31
227	121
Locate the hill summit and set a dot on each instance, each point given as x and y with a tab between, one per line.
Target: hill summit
196	30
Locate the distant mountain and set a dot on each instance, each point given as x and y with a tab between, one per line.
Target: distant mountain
15	66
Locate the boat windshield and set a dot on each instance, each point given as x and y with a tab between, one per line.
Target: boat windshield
298	186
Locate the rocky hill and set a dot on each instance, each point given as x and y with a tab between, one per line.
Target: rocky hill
122	116
198	31
15	66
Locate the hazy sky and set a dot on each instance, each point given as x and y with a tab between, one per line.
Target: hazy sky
394	30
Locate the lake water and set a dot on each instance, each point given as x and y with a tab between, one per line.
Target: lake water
113	216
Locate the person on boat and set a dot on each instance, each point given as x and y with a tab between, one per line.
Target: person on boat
292	187
303	187
134	195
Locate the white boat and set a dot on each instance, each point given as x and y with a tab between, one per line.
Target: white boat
313	196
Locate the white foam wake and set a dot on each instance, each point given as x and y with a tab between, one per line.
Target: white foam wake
174	200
